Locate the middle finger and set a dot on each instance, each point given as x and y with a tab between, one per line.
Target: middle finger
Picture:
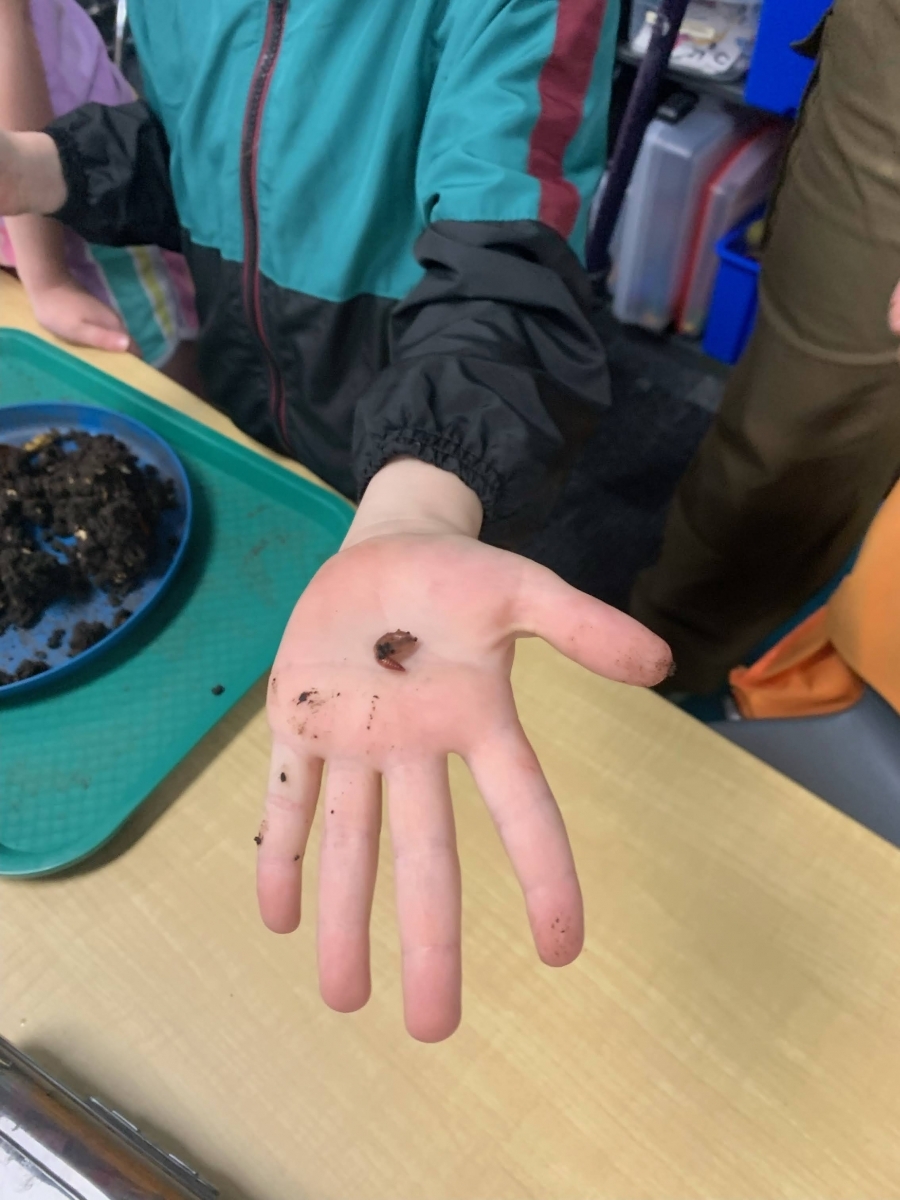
428	895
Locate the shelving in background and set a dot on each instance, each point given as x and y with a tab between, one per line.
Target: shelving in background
699	176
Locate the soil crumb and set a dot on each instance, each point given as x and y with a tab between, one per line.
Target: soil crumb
217	690
86	634
26	669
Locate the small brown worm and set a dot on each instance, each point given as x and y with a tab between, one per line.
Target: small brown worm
395	648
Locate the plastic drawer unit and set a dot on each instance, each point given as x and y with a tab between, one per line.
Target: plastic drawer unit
675	163
743	181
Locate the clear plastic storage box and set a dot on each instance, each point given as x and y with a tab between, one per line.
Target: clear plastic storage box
652	245
715	40
742	182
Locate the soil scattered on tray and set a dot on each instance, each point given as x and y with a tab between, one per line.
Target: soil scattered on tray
217	690
77	512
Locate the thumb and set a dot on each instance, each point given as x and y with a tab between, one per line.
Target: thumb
597	636
103	337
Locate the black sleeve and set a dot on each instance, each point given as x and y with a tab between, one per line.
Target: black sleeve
496	371
115	161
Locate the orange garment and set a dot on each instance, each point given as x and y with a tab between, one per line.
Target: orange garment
820	666
800	676
864	613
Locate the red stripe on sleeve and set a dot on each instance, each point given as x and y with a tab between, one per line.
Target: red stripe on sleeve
562	86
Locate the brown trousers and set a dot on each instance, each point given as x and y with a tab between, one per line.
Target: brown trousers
807	442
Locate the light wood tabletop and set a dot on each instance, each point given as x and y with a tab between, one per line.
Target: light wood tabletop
731	1030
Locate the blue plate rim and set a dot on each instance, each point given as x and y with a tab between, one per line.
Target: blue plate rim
54	674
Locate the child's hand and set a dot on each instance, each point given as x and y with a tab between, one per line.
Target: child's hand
31	183
332	702
894	311
31	178
74	315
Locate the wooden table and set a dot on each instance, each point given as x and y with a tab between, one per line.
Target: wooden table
731	1030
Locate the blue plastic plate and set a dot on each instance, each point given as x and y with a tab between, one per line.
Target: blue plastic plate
18	425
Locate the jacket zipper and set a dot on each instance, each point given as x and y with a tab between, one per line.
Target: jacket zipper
256	101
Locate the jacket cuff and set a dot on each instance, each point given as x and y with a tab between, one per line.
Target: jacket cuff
439	450
73	171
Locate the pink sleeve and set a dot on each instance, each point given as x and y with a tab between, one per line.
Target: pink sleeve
76	63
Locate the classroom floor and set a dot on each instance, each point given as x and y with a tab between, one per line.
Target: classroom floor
608	523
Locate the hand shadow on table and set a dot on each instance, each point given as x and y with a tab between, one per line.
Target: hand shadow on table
168	791
163	1139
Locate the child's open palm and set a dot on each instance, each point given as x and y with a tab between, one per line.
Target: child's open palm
332	702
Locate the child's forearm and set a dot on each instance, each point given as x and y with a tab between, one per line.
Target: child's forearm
39	249
24	98
25	105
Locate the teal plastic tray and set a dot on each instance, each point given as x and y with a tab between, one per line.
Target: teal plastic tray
78	758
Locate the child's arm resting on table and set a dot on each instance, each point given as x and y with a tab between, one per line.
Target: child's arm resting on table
59	302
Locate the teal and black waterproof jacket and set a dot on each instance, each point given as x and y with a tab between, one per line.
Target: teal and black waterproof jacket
383	204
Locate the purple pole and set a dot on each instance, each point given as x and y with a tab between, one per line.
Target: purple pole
641	104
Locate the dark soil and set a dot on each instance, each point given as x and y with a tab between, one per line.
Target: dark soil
86	634
26	668
86	498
